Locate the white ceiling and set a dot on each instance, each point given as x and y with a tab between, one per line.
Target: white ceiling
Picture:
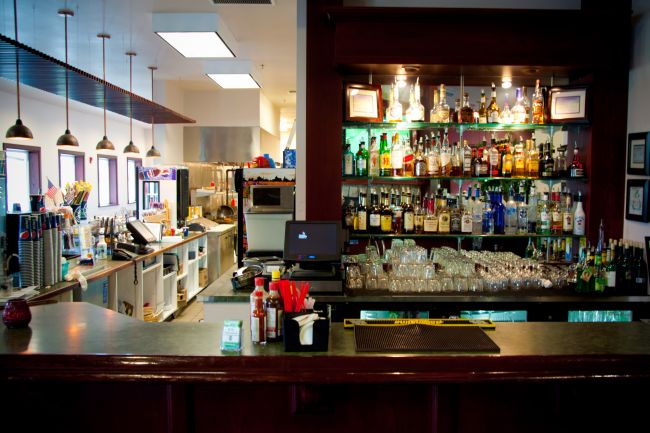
266	35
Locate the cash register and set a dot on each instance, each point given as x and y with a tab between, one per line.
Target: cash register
141	237
313	249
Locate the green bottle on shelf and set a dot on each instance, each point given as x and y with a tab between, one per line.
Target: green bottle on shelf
362	160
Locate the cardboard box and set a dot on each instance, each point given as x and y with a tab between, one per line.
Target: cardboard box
203	277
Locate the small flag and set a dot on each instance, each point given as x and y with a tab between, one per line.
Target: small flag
51	189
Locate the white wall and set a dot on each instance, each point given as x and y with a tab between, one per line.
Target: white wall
44	114
639	99
223	107
169	138
270	129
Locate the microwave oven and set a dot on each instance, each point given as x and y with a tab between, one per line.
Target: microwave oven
271	199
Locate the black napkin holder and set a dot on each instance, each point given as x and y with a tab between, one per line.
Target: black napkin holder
291	333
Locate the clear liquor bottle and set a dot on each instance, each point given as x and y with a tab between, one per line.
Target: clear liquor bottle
396	156
522	215
511	214
415	111
544	226
467	159
445	157
482	110
506	114
374	170
466	217
556	214
456	161
567	215
443	109
526	103
348	161
532	210
493	110
433	159
430	221
362	214
444	216
537	105
476	163
420	165
519	111
433	113
477	211
394	110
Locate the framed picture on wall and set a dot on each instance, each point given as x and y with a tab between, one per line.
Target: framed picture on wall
638	153
568	104
636	206
363	103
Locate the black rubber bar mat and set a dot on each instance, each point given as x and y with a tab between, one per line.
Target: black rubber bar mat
422	338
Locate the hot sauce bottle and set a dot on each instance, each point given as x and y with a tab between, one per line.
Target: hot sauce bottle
258	319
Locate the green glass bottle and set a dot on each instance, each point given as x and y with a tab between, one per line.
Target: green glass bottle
362	160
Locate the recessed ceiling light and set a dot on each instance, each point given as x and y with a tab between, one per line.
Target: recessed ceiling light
235	81
197	44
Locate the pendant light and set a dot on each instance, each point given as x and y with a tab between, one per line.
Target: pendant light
153	152
104	143
131	148
67	139
18	131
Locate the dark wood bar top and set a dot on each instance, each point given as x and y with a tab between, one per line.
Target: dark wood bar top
79	341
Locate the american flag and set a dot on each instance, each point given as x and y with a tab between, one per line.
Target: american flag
51	189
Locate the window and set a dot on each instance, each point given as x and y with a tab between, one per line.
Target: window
132	178
23	174
107	180
71	167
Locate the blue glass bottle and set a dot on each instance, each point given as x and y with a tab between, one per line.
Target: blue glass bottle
499	213
487	223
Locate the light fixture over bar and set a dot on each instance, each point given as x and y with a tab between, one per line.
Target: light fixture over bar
195	35
232	73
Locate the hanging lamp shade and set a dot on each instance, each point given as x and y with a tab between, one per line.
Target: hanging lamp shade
67	139
153	152
18	131
104	143
131	148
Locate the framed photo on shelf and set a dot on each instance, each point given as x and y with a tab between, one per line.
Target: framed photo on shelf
568	104
363	103
638	153
636	206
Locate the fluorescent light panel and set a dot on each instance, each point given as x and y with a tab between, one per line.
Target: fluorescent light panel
235	81
197	44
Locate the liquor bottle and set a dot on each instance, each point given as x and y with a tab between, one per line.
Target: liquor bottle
455	215
548	164
579	221
537	106
443	109
419	214
567	216
420	165
394	110
415	111
482	111
454	114
384	156
433	114
396	156
576	169
483	156
556	214
348	161
258	319
506	161
373	170
433	159
362	160
274	312
519	111
639	272
526	103
444	216
409	216
626	280
477	211
386	215
532	210
374	213
493	158
519	159
408	165
456	161
499	213
610	268
511	214
466	222
466	112
533	159
544	226
445	157
362	214
348	216
600	276
476	163
398	212
430	221
493	109
487	221
467	159
506	114
522	215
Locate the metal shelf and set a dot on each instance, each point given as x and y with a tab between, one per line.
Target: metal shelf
464	126
356	179
354	235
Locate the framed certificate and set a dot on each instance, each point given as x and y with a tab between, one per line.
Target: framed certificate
568	104
636	206
363	103
638	153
